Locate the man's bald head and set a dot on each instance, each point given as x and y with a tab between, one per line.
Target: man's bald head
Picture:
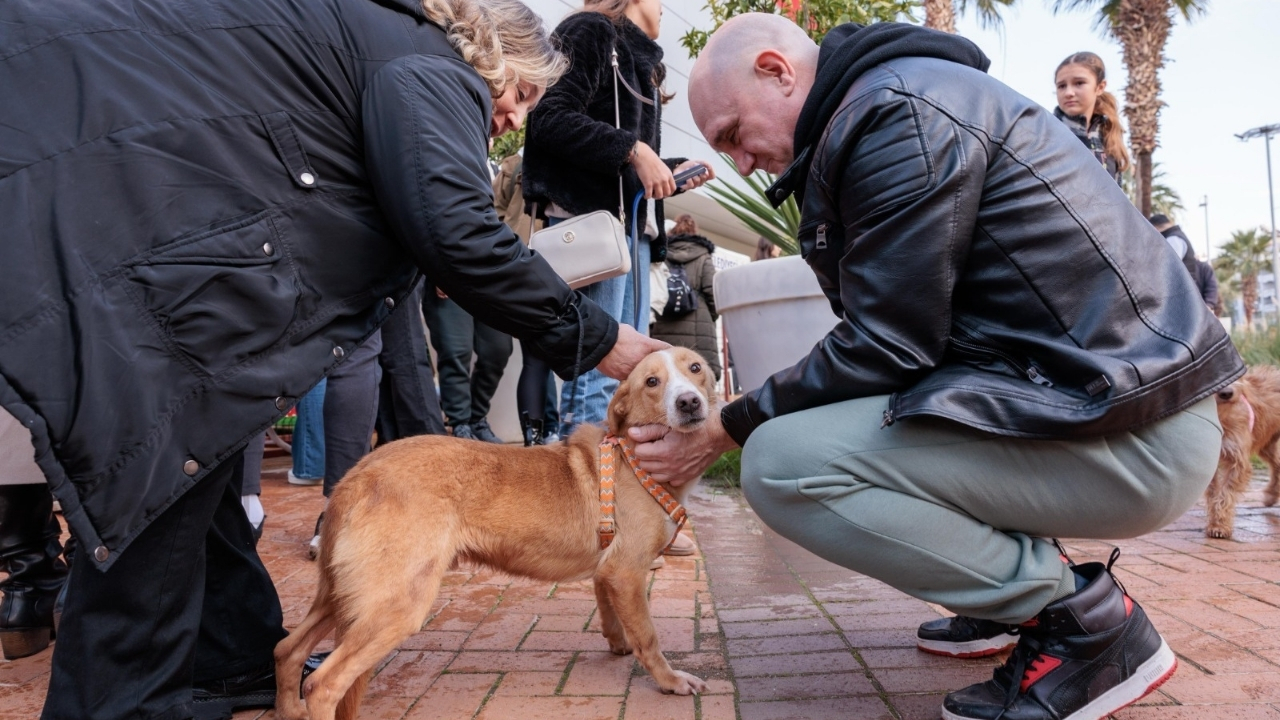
748	86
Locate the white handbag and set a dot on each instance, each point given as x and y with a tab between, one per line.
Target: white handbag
586	249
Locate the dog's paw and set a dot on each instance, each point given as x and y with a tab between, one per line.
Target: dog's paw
621	648
1218	533
1269	498
684	684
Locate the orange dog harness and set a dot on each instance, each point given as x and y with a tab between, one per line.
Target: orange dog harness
608	528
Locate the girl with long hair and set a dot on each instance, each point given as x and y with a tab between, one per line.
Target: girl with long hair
1090	111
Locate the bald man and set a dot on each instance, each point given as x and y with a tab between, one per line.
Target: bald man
1017	358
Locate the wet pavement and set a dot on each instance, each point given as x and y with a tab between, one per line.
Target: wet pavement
777	632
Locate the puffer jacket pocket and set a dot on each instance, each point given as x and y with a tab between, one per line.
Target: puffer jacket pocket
222	296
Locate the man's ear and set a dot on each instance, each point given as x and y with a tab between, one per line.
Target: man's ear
774	67
619	408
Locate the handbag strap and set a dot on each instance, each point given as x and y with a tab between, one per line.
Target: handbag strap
617	123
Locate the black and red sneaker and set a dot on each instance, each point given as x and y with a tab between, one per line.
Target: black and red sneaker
965	637
1082	658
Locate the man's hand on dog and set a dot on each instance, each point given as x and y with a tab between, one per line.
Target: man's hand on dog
630	348
678	457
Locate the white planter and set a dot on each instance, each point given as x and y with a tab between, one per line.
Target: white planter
774	313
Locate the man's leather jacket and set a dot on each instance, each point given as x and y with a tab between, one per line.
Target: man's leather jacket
985	269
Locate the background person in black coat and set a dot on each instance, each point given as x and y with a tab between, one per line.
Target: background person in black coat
1201	271
208	208
574	154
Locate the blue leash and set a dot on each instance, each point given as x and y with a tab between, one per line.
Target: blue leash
635	257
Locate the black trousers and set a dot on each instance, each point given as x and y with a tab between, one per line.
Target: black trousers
408	404
465	392
189	601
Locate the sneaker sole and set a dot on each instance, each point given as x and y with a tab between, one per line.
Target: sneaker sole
1150	675
970	649
224	708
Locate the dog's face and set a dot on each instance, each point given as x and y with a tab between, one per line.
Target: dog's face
670	387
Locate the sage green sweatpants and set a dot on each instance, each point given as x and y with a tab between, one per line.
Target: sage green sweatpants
962	517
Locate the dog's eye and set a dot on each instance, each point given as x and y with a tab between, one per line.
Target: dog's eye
651	381
695	368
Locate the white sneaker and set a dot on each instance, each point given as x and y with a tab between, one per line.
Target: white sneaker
295	480
313	548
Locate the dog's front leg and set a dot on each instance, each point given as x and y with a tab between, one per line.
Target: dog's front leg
626	592
610	626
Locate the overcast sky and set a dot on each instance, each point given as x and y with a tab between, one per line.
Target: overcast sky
1221	78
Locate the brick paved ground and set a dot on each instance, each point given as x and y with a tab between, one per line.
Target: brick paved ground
777	632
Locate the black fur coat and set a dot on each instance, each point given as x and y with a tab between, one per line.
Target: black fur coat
573	153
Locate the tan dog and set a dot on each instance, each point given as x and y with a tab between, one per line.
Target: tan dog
413	508
1249	410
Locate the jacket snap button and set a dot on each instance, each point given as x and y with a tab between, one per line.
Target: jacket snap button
101	553
267	249
390	303
282	404
307	178
191	467
338	352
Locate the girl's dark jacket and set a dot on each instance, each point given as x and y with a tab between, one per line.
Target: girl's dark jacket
695	330
208	205
984	266
573	152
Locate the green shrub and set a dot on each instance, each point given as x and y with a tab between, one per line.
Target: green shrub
1259	347
726	470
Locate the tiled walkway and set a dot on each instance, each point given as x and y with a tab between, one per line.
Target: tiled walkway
777	632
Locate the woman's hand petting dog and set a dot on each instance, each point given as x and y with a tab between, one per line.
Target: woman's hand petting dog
678	457
630	348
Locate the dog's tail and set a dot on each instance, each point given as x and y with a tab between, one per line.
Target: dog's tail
350	705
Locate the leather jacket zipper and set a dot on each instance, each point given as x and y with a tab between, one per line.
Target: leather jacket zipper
821	242
1031	372
887	419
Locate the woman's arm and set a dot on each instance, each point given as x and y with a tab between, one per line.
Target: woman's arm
426	121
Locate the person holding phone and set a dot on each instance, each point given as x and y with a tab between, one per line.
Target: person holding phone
579	141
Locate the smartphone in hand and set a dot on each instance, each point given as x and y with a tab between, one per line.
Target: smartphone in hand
688	174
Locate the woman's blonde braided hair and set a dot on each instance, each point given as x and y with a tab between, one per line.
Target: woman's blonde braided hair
503	40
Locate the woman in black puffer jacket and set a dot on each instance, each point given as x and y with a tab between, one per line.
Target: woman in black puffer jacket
574	154
695	330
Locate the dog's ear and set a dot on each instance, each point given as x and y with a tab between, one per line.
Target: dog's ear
620	407
709	383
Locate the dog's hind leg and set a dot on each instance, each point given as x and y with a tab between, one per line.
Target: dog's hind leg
1271	455
610	626
383	613
626	590
292	652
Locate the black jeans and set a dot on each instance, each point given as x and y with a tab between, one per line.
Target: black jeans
465	392
350	407
188	602
408	404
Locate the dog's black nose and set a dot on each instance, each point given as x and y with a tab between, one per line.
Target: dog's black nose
688	402
1226	393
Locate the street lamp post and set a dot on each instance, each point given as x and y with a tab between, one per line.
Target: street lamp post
1208	249
1267	131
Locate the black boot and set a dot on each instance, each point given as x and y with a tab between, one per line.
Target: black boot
533	430
30	553
1082	658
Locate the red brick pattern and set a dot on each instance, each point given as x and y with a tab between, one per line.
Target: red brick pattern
778	632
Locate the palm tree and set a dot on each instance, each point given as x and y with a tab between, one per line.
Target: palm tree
941	14
1142	27
1238	263
1164	199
